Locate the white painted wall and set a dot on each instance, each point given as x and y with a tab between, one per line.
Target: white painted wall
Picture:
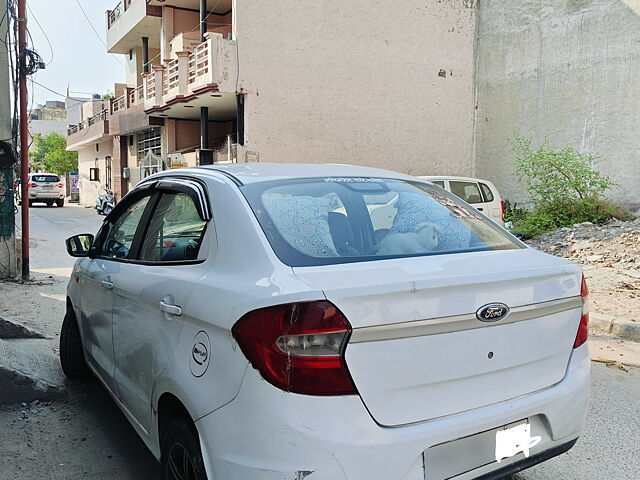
566	70
357	82
87	159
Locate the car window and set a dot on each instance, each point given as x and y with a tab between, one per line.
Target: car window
486	191
121	231
46	178
467	191
440	183
375	219
175	230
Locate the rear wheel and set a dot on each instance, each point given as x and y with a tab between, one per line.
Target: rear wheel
49	203
181	458
31	203
72	358
60	202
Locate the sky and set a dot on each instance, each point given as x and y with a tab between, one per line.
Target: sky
77	58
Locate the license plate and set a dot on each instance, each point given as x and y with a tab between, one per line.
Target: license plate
513	439
47	187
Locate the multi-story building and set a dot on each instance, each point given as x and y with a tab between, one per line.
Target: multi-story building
361	82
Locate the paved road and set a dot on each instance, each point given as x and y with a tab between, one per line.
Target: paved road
609	448
50	226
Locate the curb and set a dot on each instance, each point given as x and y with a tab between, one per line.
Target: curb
618	327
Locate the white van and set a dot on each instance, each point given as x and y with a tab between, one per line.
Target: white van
482	194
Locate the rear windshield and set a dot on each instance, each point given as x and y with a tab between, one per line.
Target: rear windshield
323	221
46	178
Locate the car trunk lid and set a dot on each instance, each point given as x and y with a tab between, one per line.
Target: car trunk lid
417	350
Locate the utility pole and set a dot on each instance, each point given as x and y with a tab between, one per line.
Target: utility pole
24	134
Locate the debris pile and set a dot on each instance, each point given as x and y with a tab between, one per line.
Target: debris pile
614	244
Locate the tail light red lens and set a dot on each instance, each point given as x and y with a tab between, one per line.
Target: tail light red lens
502	210
583	328
60	185
298	347
31	185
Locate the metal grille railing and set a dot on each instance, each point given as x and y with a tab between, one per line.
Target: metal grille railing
114	15
119	104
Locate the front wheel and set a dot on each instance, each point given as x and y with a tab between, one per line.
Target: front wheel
72	358
181	458
107	209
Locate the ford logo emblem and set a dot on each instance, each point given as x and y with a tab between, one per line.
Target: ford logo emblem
492	312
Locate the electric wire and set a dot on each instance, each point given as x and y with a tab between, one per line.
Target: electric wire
96	32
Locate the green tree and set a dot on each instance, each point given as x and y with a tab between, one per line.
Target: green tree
49	153
557	174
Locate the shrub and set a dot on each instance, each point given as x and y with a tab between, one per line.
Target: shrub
564	185
554	175
564	213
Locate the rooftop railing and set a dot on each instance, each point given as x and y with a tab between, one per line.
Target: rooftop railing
118	10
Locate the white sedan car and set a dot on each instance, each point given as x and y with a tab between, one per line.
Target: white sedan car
260	321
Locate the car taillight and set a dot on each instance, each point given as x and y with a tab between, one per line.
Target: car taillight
60	185
583	329
298	347
502	210
31	185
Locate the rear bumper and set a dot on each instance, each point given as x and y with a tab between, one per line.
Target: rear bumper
46	195
267	434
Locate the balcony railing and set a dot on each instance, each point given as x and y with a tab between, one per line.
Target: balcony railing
87	122
212	63
118	104
118	10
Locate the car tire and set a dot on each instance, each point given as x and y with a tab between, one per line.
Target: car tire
72	358
50	204
30	203
181	456
107	210
60	203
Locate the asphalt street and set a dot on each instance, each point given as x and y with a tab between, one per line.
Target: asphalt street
608	449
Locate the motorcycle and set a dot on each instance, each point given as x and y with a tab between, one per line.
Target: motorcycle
105	202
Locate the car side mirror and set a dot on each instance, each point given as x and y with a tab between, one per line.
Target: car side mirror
79	245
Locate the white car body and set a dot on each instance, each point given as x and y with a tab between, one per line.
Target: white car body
434	384
47	188
481	194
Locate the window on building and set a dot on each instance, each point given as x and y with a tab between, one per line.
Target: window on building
150	141
150	152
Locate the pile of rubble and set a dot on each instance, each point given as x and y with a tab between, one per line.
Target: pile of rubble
614	244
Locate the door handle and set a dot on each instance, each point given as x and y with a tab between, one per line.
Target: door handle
480	208
106	284
170	309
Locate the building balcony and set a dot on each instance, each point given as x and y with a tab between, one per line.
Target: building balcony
128	113
205	77
129	21
90	130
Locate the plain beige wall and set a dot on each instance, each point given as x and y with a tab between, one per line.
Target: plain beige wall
357	82
569	71
87	159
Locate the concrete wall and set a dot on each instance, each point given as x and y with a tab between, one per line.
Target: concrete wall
565	69
359	82
87	159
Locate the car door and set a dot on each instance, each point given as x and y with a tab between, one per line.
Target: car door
149	296
114	245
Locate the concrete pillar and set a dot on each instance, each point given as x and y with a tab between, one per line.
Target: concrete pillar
158	71
183	73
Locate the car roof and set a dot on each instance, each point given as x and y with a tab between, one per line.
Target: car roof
247	173
451	177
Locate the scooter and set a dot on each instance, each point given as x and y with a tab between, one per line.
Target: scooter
105	202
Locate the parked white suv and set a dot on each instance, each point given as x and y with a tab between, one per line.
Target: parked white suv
482	194
46	188
261	321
